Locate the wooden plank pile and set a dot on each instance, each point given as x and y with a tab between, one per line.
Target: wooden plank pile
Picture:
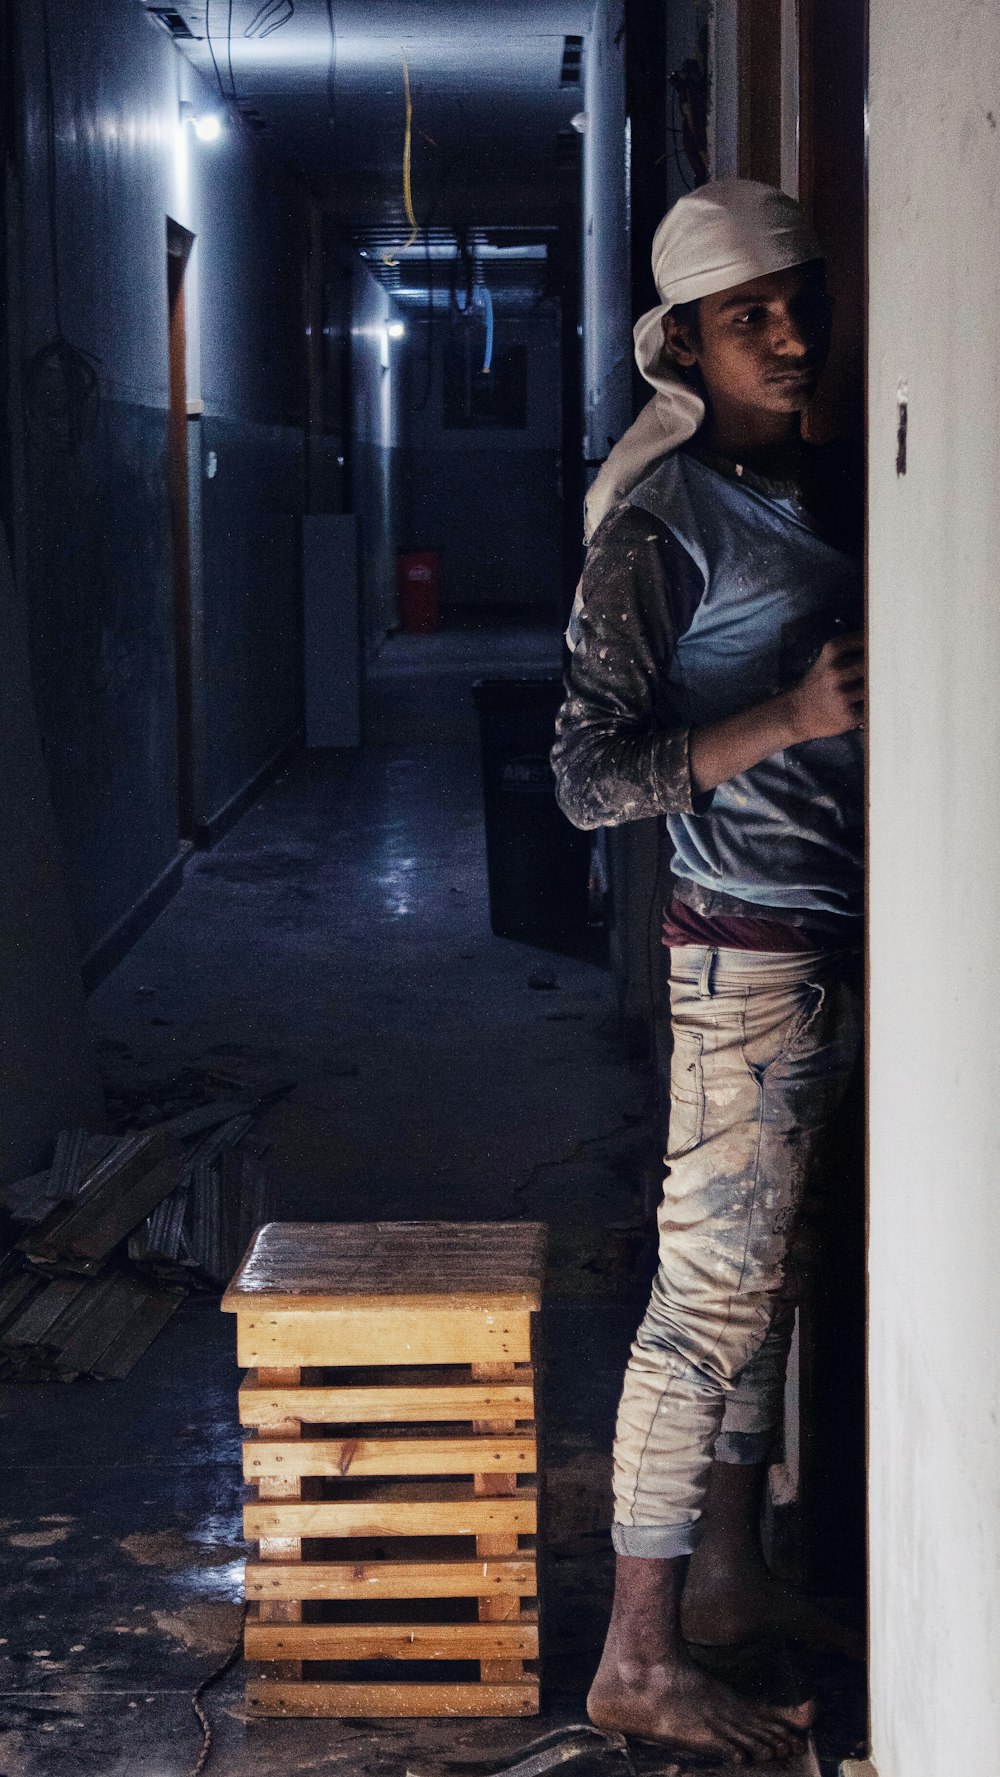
102	1247
390	1402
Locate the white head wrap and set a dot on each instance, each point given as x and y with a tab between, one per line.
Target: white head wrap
714	238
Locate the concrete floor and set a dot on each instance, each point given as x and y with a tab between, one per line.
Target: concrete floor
338	938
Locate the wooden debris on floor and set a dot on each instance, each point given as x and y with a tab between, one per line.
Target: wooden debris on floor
83	1230
66	1328
30	1200
204	1226
103	1246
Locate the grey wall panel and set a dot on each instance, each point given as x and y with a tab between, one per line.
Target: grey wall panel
376	385
93	546
101	634
252	621
250	224
375	477
607	320
124	162
48	1078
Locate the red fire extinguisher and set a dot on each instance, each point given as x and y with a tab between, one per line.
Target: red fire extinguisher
418	576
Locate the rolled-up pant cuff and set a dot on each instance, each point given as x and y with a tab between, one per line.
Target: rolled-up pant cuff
743	1446
656	1542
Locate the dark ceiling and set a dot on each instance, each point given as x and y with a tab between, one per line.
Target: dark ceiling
494	85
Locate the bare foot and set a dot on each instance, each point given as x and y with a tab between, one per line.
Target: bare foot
690	1714
730	1598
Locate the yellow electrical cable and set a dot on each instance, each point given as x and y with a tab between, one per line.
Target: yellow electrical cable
387	258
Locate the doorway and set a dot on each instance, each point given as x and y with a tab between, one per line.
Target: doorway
179	244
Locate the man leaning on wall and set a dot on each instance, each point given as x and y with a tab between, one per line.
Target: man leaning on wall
716	679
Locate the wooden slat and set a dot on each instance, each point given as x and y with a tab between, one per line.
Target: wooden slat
390	1335
15	1293
139	1172
493	1670
107	1319
499	1301
391	1456
398	1402
337	1580
41	1313
382	1514
155	1306
436	1262
272	1697
392	1641
281	1610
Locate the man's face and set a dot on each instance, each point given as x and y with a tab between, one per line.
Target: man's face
762	345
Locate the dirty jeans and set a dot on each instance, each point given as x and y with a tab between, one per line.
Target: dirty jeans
764	1047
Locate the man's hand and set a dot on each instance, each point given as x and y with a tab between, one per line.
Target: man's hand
830	699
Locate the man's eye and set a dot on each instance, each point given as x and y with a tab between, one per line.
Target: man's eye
748	317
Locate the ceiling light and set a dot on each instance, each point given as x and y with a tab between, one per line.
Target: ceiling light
396	330
207	125
579	122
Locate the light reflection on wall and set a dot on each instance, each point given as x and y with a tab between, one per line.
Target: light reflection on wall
182	170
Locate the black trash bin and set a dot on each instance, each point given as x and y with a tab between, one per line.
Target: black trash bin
538	863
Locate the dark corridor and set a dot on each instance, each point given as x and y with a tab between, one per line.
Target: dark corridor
338	938
336	941
411	261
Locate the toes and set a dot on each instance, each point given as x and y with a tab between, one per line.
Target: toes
750	1746
804	1714
730	1752
800	1715
770	1743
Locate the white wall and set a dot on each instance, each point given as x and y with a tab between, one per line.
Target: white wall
124	163
724	89
376	382
92	541
935	888
607	324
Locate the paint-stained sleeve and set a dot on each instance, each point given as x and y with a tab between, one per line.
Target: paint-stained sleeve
618	756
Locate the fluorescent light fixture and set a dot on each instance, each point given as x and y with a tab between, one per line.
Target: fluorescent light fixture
396	330
207	125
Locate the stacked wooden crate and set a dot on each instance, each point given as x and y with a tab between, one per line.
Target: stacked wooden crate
391	1406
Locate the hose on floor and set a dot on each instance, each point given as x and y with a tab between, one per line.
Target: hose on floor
545	1754
206	1684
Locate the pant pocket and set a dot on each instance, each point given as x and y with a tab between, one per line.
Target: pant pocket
687	1094
803	1030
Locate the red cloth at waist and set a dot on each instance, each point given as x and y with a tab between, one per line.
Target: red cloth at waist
737	931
